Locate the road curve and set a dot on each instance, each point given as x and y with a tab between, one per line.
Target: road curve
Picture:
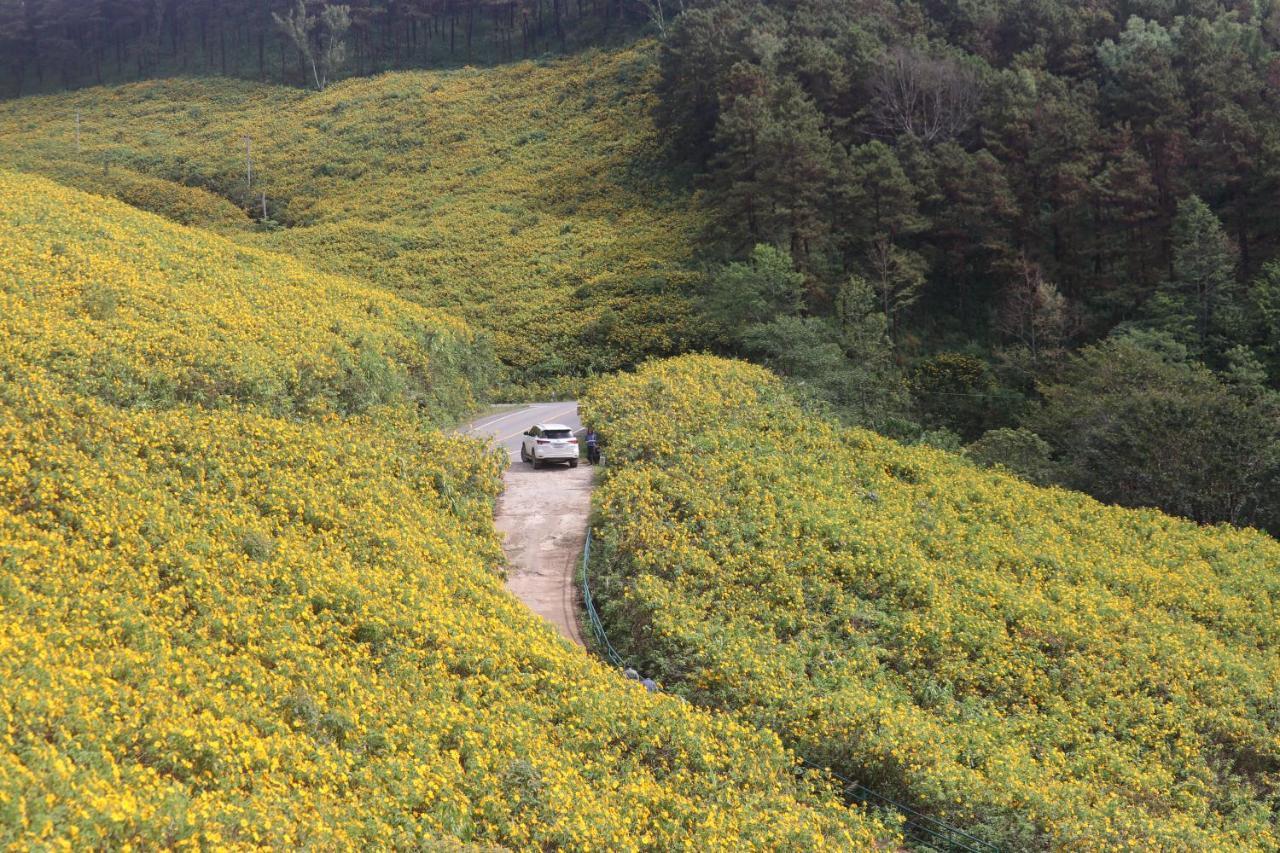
542	515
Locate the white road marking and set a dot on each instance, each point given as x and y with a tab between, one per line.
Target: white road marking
502	418
480	426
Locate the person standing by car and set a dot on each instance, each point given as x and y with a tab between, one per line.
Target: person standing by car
593	446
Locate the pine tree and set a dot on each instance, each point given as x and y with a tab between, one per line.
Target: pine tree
879	200
1141	85
776	164
1264	309
1126	209
1203	284
971	210
897	276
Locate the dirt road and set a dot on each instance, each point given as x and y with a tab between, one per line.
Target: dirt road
542	515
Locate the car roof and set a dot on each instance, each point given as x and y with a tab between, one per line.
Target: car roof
553	426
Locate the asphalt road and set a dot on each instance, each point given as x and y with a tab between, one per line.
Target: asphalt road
506	427
542	515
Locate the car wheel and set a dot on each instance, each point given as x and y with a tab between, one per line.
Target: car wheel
524	457
537	463
573	463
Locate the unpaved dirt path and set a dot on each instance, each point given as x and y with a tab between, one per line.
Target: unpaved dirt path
542	515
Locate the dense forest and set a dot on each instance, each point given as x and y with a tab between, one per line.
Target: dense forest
1041	232
1060	219
50	44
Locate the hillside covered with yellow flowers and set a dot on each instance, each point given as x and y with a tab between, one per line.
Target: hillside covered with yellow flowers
1044	670
520	197
249	596
251	592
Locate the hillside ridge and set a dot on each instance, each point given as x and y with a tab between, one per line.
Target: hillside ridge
1027	663
250	595
523	198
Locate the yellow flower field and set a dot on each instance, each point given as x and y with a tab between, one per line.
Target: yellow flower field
141	313
1041	669
518	197
239	609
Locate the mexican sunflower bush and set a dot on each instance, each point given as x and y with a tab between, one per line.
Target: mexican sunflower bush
1028	663
243	605
527	199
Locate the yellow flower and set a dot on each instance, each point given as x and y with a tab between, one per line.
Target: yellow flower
1029	662
250	594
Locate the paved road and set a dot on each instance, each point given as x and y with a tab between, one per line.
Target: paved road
542	515
505	426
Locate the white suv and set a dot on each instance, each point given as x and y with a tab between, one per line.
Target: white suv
549	443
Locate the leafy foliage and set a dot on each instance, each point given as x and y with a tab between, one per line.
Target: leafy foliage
1045	670
1140	429
972	134
1196	307
1019	451
1014	180
742	295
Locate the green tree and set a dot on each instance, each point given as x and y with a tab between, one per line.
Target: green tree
1264	309
1232	147
971	210
701	47
954	391
1140	84
1133	428
846	361
881	211
878	200
759	290
898	277
776	164
319	40
880	392
1199	301
1019	451
1126	212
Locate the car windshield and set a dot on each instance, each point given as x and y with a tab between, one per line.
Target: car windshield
557	433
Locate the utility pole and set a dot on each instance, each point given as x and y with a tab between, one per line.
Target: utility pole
264	207
248	166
